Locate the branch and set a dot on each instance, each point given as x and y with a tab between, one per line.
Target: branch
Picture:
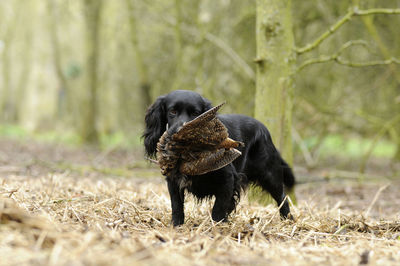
306	152
231	53
334	57
386	127
375	11
221	44
392	60
375	199
339	60
346	18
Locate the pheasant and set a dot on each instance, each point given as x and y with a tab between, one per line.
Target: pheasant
199	146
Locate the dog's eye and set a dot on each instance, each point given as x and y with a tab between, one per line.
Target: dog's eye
172	112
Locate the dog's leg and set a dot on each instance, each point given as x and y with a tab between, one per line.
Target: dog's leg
273	183
224	202
221	208
177	200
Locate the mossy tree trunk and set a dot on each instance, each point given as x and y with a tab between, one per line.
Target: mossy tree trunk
90	107
275	62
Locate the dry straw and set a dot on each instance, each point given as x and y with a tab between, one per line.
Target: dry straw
66	220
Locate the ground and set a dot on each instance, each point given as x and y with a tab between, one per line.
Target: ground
62	205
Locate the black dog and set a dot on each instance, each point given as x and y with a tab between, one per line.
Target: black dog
259	164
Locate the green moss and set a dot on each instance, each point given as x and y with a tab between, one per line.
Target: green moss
12	131
117	139
353	147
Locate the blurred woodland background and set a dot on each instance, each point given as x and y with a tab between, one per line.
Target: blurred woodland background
86	70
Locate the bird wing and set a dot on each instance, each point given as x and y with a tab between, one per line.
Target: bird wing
167	155
207	161
199	121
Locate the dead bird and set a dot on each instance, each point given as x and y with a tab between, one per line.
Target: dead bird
197	147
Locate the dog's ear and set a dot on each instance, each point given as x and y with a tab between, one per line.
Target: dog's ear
206	104
155	125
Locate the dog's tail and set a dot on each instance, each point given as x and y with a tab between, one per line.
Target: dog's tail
288	177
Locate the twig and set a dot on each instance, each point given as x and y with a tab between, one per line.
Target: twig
341	228
231	53
375	199
305	151
100	157
374	11
312	61
368	63
333	57
76	215
218	42
375	140
346	18
273	216
340	61
11	192
336	57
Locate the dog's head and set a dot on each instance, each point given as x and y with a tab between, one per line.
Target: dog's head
171	111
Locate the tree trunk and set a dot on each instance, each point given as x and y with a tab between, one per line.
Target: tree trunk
23	79
144	83
92	16
7	95
62	101
178	47
275	60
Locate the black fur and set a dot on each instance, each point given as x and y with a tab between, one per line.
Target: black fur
259	164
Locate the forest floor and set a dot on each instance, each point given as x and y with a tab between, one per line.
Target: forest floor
62	205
